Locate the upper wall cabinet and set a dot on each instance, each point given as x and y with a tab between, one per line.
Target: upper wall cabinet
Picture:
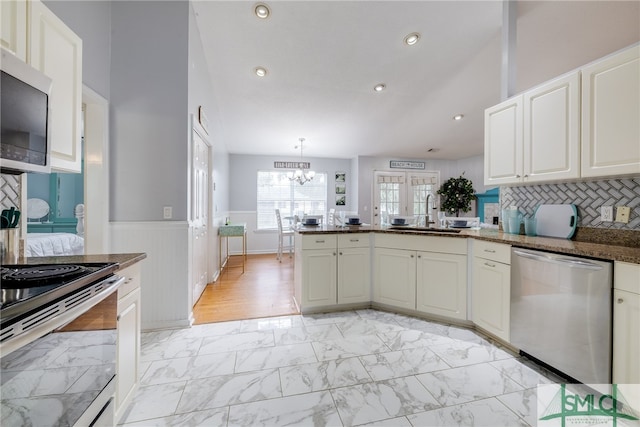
535	137
503	142
611	115
57	51
13	32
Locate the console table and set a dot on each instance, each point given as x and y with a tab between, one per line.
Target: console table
233	230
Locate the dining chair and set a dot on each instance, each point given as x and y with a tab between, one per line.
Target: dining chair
282	234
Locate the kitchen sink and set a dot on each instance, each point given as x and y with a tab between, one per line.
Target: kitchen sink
423	229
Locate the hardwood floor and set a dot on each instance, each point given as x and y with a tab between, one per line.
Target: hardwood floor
265	289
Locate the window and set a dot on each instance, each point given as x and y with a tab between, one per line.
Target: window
276	191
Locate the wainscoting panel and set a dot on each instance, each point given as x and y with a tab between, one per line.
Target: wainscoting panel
165	272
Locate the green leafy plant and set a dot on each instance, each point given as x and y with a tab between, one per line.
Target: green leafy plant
456	195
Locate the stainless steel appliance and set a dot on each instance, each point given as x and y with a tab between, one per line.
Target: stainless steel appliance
561	313
25	129
58	344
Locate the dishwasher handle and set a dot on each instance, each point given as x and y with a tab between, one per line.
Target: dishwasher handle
570	262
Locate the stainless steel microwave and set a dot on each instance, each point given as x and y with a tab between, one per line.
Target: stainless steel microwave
25	128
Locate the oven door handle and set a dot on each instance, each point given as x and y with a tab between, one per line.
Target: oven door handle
33	333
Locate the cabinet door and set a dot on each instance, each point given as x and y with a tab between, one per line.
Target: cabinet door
127	350
491	296
442	284
395	278
13	31
626	342
552	130
354	266
319	277
503	143
610	111
57	51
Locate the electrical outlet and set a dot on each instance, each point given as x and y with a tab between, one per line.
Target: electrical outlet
167	212
622	214
606	213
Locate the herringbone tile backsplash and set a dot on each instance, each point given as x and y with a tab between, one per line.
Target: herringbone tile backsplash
9	191
588	196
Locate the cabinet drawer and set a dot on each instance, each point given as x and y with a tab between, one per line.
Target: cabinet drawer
319	241
131	276
493	251
626	276
353	240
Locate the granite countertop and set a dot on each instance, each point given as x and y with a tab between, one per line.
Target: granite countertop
123	260
609	251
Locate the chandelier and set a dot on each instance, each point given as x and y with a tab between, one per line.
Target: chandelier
302	174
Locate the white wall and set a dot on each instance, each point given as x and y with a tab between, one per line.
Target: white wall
91	20
149	115
473	168
243	178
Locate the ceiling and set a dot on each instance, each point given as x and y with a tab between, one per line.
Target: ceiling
323	59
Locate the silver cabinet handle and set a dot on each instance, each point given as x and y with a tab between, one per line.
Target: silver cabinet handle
319	241
491	251
412	255
354	240
489	264
419	256
340	253
334	254
620	300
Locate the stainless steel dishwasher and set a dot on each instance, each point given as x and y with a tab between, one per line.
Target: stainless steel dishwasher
561	313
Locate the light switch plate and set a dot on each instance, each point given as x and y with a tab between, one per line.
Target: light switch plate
622	214
167	212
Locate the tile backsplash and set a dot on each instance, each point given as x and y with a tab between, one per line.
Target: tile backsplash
9	191
588	196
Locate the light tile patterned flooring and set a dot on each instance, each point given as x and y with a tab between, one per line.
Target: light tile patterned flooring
362	367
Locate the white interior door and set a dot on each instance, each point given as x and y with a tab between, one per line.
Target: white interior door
199	214
404	194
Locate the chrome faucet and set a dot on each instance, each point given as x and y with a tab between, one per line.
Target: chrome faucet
427	217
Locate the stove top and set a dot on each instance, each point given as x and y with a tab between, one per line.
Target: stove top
27	287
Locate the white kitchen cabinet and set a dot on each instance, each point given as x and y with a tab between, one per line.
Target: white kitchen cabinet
503	142
441	284
535	137
610	111
13	31
128	341
626	330
491	287
552	130
395	278
354	269
318	270
57	51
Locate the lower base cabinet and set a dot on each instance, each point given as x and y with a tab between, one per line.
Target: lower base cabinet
334	270
441	284
491	288
395	278
128	340
626	331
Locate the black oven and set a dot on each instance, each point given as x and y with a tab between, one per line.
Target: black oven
58	344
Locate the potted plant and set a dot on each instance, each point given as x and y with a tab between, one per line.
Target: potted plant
456	195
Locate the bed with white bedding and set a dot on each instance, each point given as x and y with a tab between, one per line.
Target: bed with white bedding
54	244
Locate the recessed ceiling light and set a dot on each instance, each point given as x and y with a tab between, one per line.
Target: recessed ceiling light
262	11
411	39
380	87
458	117
261	71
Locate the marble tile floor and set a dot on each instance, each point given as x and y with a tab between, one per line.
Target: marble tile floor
352	368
